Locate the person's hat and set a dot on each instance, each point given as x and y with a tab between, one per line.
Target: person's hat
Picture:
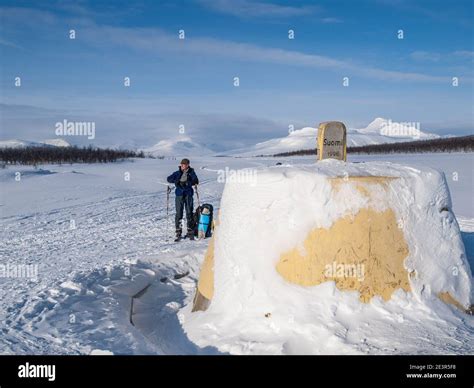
185	161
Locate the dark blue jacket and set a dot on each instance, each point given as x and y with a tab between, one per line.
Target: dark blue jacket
185	188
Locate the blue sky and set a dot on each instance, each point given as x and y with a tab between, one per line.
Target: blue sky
190	82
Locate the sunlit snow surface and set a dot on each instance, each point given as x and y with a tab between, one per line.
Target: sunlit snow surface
97	238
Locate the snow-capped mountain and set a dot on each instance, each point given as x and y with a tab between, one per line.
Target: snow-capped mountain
16	143
57	142
378	131
181	146
300	139
387	131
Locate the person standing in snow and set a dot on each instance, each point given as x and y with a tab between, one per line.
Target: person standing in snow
184	179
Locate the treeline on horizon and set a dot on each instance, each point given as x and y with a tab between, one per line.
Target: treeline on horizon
450	144
66	155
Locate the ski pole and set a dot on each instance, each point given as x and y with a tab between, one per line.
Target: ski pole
197	195
168	191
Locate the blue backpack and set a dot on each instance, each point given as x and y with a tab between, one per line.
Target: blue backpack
203	221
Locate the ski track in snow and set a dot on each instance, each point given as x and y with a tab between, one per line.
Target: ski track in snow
48	316
81	299
127	228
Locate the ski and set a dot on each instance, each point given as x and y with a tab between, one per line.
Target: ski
135	296
175	277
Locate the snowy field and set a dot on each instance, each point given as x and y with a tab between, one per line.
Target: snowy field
98	237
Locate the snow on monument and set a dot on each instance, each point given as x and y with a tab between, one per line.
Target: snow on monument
302	242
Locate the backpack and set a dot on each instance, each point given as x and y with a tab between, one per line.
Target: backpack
197	216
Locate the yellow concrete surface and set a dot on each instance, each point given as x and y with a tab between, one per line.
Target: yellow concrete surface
362	253
206	278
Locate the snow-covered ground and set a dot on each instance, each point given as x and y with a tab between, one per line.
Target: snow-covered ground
98	237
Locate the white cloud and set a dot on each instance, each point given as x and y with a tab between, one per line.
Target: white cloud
425	56
465	54
25	16
331	20
251	8
7	43
217	131
156	40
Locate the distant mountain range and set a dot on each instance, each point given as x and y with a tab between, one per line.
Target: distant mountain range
379	131
15	143
180	146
